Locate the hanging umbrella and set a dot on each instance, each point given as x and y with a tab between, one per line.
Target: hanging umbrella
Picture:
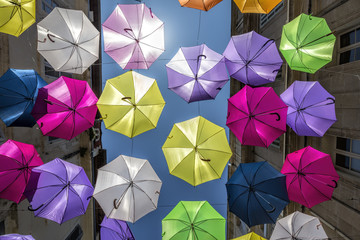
68	40
250	236
256	116
193	220
65	108
112	229
257	193
204	5
133	36
18	92
311	109
197	73
252	59
15	236
127	188
310	176
16	162
197	151
58	191
307	43
256	6
16	16
131	104
298	226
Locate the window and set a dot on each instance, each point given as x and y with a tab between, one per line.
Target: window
50	71
276	143
265	18
350	46
348	154
76	234
48	5
2	228
239	22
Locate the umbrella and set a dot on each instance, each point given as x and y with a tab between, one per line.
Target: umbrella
193	220
197	73
298	226
256	6
310	176
252	59
311	109
68	40
16	16
257	193
256	116
112	229
204	5
197	150
250	236
16	162
131	104
16	237
18	92
307	43
127	188
133	36
65	108
58	191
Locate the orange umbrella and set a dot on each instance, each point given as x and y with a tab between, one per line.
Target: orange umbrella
204	5
256	6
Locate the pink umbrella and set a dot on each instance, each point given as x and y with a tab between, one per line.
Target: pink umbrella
16	162
65	108
310	176
257	116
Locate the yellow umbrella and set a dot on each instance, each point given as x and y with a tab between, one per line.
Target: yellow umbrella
131	104
197	150
16	16
250	236
256	6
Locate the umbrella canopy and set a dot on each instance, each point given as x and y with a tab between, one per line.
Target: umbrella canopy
310	176
256	6
58	191
257	193
133	36
252	59
250	236
68	40
307	43
204	5
193	220
127	188
131	104
16	163
311	109
197	73
16	16
256	116
197	151
18	92
113	229
65	108
15	236
298	226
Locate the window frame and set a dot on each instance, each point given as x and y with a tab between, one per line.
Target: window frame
271	15
350	47
348	154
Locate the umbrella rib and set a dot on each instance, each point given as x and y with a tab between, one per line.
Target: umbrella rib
263	48
11	15
67	26
145	194
152	32
180	231
303	117
202	230
266	211
269	125
285	230
82	203
317	105
309	34
67	204
186	212
258	103
254	175
48	202
19	174
48	134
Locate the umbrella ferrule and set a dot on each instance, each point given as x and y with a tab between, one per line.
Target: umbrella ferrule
301	173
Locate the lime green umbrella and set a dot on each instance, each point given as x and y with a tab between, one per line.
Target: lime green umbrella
193	220
307	43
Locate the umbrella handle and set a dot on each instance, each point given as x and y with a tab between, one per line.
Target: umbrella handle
48	101
116	206
332	99
205	160
336	185
127	30
273	208
49	36
276	70
33	210
126	98
89	197
278	115
201	55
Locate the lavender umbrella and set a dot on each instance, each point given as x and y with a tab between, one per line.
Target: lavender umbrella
311	109
16	237
252	59
58	191
197	73
113	229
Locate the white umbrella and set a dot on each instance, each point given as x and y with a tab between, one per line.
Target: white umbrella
298	226
127	188
68	40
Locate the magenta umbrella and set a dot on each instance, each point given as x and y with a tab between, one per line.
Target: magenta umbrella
65	108
256	116
310	176
16	162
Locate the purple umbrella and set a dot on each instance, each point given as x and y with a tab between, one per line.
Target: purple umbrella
113	229
58	191
252	59
197	73
16	237
311	109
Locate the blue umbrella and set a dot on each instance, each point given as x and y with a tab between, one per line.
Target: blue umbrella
18	92
257	193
